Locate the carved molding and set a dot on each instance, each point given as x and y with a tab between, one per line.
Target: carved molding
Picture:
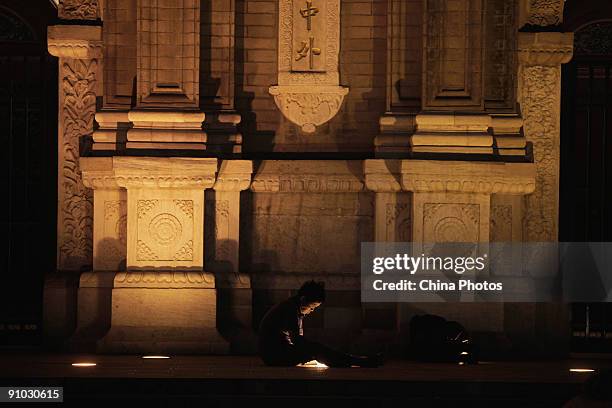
75	212
166	279
78	9
309	176
546	49
468	177
181	173
73	41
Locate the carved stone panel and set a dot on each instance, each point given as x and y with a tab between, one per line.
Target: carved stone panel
446	222
165	229
75	209
450	217
308	91
78	9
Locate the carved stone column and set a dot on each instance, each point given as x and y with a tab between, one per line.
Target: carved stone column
164	302
539	87
540	57
79	49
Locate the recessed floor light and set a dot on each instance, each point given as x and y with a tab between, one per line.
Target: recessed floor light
155	357
581	370
84	364
313	364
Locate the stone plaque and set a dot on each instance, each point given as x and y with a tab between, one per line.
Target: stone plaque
309	36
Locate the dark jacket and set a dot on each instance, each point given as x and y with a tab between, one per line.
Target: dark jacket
281	327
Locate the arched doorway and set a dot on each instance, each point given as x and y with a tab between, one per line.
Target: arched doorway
586	163
28	166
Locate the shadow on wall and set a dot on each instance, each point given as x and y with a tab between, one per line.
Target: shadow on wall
254	140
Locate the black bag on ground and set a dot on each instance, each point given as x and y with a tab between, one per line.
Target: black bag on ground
435	339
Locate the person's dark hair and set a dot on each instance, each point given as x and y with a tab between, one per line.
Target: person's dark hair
312	291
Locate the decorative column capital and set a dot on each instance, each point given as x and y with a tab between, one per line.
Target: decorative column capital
382	176
545	48
542	12
162	172
432	176
75	41
234	175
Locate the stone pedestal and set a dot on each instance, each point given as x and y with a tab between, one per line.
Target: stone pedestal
450	202
164	302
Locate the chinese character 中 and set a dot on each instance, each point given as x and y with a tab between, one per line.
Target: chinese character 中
308	13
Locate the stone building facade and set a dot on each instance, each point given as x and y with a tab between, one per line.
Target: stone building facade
215	154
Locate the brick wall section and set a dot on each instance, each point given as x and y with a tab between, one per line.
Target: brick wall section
217	54
120	52
362	68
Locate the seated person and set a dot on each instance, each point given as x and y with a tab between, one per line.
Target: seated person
281	337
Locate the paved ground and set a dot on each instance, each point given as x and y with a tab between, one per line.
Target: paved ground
185	380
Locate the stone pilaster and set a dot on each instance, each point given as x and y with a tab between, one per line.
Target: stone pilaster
540	59
392	206
79	49
234	176
222	249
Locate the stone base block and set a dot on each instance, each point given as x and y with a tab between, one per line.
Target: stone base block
162	340
169	320
94	310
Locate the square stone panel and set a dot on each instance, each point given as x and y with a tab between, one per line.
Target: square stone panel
165	229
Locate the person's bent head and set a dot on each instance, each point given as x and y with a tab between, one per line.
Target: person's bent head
311	295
